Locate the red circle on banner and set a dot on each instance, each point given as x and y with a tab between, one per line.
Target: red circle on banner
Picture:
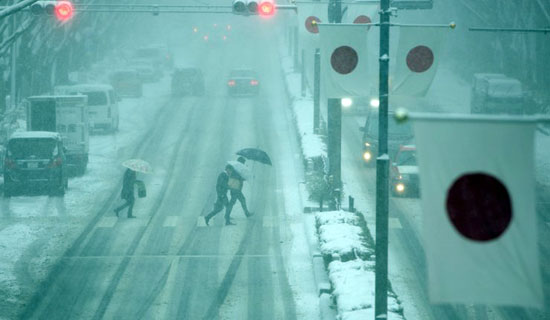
420	59
479	206
311	24
362	19
344	59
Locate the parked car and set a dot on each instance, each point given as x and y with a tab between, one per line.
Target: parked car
404	172
496	93
127	83
243	82
187	81
102	104
35	159
398	134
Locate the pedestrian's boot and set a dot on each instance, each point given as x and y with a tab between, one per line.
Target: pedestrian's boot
116	212
207	219
249	214
131	216
229	223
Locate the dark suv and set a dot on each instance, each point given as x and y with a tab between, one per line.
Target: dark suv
187	81
35	159
398	134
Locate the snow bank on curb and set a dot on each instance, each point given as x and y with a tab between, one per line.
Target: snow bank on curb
353	283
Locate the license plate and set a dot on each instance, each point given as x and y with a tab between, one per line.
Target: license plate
32	165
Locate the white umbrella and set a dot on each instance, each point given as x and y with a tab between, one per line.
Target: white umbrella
138	165
241	169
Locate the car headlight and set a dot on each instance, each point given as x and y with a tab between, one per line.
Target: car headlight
367	144
400	187
346	102
367	155
374	102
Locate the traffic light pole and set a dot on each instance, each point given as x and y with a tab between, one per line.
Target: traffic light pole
334	119
316	90
13	73
303	74
382	170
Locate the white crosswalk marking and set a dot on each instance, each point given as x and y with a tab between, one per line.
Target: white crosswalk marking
395	224
107	222
269	221
201	222
171	221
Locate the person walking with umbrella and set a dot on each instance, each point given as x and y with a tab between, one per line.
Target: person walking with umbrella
221	195
128	182
236	190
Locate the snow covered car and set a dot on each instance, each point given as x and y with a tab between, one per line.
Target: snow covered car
187	81
404	172
35	159
243	82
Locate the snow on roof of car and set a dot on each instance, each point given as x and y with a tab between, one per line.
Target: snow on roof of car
408	147
35	134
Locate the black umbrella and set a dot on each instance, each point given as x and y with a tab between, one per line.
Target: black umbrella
255	155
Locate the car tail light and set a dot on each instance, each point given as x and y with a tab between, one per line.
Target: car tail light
10	163
253	82
231	83
55	162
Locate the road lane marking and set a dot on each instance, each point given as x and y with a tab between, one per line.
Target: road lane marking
269	221
171	221
164	301
395	224
201	222
107	222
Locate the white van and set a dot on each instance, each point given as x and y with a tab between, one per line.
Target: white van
102	104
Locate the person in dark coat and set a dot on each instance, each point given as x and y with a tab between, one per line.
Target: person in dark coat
127	192
221	195
236	191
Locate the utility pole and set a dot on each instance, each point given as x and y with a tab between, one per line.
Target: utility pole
13	78
316	90
382	169
303	74
334	121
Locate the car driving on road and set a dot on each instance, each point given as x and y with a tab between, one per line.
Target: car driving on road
243	82
187	81
404	172
398	134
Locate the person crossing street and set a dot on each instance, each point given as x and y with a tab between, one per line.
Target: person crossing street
235	189
221	196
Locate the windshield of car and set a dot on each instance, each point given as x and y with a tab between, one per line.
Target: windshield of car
242	74
96	98
40	148
406	158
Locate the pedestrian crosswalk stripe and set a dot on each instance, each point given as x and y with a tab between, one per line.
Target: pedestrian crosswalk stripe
269	221
395	224
201	222
171	221
107	222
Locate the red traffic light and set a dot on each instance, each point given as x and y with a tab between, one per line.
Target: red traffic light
64	10
266	8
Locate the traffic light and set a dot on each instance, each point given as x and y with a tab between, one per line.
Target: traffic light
63	10
267	8
254	7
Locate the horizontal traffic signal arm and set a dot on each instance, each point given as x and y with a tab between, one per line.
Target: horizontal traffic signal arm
141	8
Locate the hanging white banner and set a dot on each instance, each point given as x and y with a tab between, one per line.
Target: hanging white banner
418	55
344	64
478	197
